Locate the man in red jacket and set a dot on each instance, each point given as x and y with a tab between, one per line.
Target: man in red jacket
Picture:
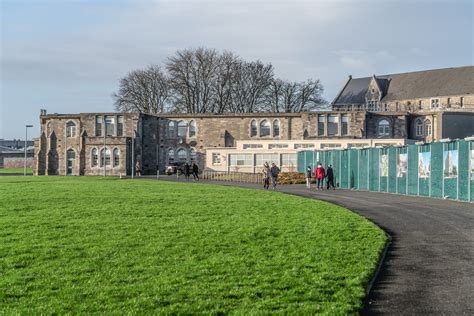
320	174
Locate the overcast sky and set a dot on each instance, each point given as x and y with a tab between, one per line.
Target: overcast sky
67	56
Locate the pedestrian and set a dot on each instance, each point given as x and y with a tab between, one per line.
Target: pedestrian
266	175
195	172
138	168
320	174
274	171
187	171
330	178
309	172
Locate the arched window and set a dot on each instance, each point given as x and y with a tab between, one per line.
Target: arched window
192	155
116	157
419	128
182	155
170	155
105	156
70	158
192	129
276	128
70	129
264	128
94	157
427	127
171	129
253	128
384	128
182	128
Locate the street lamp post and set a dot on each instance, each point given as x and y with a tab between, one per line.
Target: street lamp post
26	144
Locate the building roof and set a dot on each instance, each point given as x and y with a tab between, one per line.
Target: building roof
411	85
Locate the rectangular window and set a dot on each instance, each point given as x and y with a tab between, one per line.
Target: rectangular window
356	145
321	122
109	125
434	103
260	159
241	160
288	160
344	124
330	146
298	146
273	146
216	158
98	126
461	101
248	146
333	121
120	126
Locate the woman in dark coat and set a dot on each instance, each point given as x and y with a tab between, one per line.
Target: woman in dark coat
187	171
195	172
330	178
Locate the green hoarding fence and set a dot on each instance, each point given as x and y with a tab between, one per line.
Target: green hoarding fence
440	169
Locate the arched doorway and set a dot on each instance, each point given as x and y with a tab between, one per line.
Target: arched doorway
71	158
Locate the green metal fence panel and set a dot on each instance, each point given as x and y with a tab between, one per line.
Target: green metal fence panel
464	172
402	170
344	169
363	169
392	170
424	170
470	189
383	169
353	168
436	174
374	169
413	169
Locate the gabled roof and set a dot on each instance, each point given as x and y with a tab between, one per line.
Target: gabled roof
411	85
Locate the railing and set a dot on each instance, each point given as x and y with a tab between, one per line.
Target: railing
232	176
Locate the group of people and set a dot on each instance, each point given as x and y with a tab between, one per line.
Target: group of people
191	169
320	174
270	173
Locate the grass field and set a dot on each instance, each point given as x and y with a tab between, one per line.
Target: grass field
97	245
15	170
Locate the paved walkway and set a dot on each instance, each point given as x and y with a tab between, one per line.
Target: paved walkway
429	267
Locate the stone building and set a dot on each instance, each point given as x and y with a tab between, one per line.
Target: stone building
372	111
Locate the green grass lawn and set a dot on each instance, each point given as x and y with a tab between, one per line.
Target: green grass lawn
97	245
15	170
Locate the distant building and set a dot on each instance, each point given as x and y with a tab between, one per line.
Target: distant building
372	111
15	143
15	158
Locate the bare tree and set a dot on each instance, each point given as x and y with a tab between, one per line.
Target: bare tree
274	95
144	91
310	96
251	81
223	85
192	74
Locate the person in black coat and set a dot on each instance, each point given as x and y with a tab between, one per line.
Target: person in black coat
195	172
187	171
330	178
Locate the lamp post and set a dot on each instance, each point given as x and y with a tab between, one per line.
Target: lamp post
26	144
133	146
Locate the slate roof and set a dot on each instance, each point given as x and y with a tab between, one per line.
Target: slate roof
411	85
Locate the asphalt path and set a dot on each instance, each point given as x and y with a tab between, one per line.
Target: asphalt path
429	264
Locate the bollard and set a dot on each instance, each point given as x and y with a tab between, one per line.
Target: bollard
157	174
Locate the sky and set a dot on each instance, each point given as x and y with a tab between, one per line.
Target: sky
68	56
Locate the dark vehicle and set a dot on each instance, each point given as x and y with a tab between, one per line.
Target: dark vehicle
175	167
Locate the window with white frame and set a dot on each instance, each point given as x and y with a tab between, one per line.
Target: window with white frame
171	129
253	128
170	155
252	146
289	160
94	157
383	128
192	129
427	127
276	128
264	128
98	126
116	154
182	155
298	146
109	125
419	128
330	145
280	146
182	128
435	103
344	124
241	160
192	155
333	121
260	159
105	157
321	122
120	125
70	129
216	158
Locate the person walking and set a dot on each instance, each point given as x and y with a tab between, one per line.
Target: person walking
266	175
309	172
330	178
195	172
320	174
274	171
138	167
187	171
